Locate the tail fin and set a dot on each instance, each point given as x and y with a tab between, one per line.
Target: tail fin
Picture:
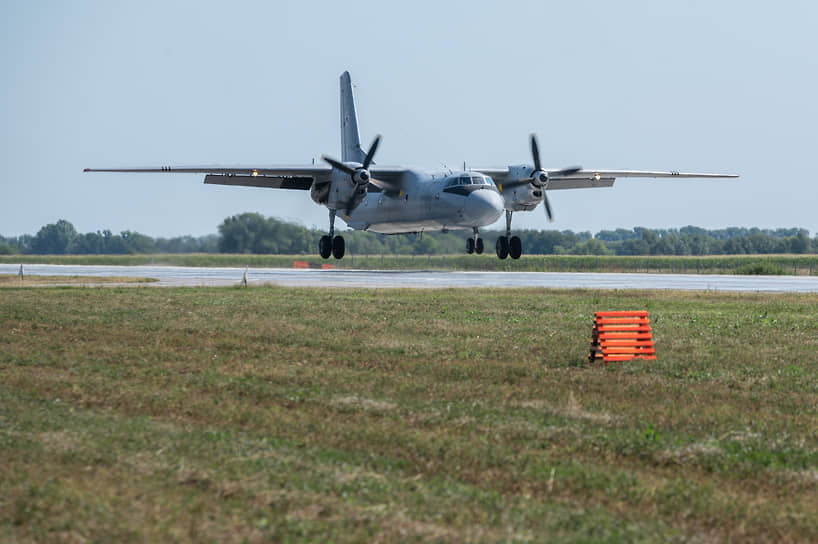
350	140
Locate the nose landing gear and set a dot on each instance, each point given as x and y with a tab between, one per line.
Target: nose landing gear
475	244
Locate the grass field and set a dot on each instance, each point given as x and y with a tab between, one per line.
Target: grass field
721	264
13	280
227	414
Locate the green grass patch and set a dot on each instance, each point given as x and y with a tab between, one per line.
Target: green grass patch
13	280
445	415
727	264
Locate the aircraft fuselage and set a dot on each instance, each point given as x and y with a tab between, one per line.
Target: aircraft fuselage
429	201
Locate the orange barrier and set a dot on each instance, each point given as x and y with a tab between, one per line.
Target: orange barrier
327	267
301	264
621	336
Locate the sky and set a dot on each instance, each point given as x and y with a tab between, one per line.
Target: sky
708	86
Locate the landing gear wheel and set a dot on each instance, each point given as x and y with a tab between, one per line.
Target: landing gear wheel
502	247
479	246
338	247
515	247
469	245
325	247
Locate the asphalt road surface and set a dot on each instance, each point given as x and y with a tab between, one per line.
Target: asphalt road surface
191	276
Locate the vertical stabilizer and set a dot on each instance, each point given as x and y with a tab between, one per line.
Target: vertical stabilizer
350	140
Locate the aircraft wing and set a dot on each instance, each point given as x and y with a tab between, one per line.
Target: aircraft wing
596	178
276	177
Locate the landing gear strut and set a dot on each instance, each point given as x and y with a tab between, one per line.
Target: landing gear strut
331	245
474	244
509	246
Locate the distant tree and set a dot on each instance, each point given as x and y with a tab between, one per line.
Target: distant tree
135	242
799	243
591	247
54	238
7	249
85	244
427	245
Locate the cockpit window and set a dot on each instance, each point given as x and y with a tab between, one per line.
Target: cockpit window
474	179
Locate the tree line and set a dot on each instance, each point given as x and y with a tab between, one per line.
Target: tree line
257	234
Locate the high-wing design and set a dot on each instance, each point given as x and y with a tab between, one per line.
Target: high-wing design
524	186
393	200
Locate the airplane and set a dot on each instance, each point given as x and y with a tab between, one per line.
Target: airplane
400	200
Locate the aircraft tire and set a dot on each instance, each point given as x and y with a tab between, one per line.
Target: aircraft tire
515	247
502	247
338	247
325	247
479	246
469	245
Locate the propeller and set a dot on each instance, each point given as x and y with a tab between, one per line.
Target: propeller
540	177
360	175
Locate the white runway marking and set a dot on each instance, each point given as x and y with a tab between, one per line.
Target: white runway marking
192	276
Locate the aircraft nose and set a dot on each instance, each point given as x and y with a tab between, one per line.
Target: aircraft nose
484	207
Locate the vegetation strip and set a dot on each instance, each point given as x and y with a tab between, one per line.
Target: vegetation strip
252	233
224	414
15	280
801	265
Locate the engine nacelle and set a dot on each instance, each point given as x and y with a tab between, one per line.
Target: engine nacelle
319	193
361	176
519	172
345	193
522	197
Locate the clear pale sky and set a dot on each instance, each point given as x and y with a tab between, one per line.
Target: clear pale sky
721	86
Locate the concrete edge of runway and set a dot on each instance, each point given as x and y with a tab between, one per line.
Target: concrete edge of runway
176	276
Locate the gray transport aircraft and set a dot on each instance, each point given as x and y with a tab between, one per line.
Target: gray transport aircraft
398	200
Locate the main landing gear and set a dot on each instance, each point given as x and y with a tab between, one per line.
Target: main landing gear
474	244
509	246
331	245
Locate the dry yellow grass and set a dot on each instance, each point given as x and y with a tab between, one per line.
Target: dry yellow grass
347	415
13	280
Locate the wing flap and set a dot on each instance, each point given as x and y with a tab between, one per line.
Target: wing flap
271	182
565	183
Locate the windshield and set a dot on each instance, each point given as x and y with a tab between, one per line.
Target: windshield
473	179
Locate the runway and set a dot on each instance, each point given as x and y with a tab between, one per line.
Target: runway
192	276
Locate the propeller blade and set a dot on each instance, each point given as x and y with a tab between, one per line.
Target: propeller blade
371	153
339	165
535	152
547	207
386	186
